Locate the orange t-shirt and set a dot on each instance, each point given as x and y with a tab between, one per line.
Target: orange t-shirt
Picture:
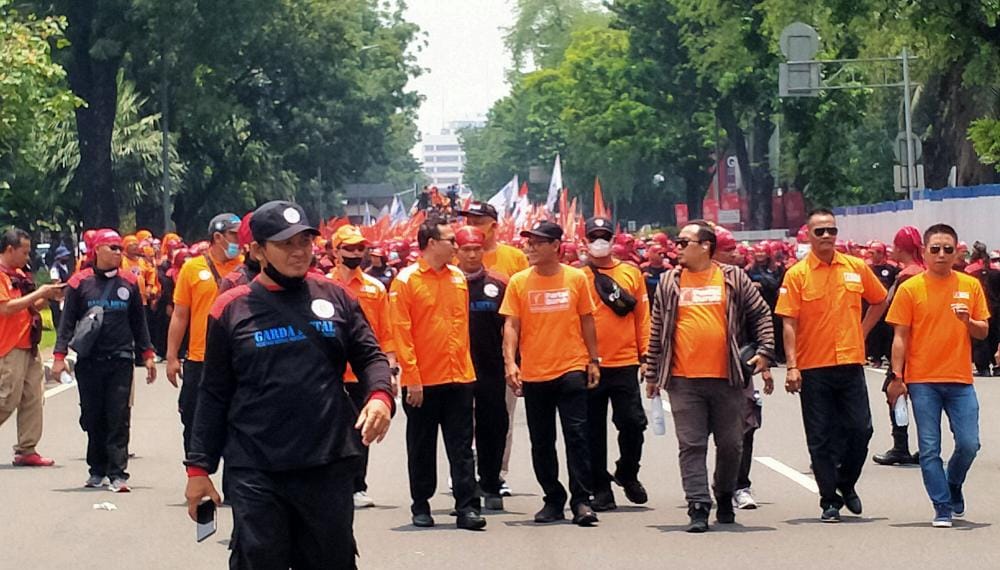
701	339
15	329
374	301
505	260
621	340
549	308
430	320
939	345
196	289
826	300
135	267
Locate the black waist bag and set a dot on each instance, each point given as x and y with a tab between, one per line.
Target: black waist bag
611	293
88	328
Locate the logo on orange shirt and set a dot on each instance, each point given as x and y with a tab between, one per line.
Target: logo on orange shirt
550	301
693	296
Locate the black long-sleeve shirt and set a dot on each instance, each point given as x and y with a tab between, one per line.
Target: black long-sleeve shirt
124	327
269	398
486	291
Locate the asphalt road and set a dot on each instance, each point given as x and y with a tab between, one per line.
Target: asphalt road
49	520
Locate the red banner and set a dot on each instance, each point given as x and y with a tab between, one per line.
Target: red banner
681	213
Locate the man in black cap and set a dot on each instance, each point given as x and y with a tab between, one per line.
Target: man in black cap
550	320
272	403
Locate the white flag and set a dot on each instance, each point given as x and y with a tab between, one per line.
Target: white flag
521	207
555	186
504	198
396	212
368	214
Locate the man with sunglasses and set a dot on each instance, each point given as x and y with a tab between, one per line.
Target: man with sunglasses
703	312
935	315
429	304
622	319
550	320
820	304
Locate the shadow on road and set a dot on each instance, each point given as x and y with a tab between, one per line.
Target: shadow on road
730	528
958	525
843	520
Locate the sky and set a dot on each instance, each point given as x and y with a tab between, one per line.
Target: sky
465	58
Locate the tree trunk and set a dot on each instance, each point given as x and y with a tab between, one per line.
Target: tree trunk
95	81
761	189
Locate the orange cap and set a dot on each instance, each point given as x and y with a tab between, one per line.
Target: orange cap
348	235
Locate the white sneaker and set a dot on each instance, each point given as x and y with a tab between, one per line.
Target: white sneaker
743	499
505	490
362	500
119	486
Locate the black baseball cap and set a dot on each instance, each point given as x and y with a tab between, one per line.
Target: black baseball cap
480	209
599	224
545	230
279	220
223	223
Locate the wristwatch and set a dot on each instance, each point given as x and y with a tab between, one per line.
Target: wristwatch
596	361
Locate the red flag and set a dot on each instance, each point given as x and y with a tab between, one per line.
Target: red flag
600	210
563	207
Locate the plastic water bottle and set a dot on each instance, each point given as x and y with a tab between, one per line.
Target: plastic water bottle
659	422
899	410
66	377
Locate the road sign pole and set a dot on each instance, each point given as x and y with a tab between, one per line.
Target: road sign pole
908	125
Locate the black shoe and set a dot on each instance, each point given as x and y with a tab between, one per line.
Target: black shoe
724	512
423	520
493	502
583	515
698	514
604	500
550	514
853	502
957	500
894	456
634	491
470	521
830	515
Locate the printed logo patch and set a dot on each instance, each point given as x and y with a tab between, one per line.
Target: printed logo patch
322	308
551	301
850	277
491	290
700	296
123	293
204	275
291	215
962	295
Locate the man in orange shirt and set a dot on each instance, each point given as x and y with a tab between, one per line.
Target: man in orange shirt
550	318
429	304
349	248
820	304
504	260
934	316
196	288
21	379
622	319
704	314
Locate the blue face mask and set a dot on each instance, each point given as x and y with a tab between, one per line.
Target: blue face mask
232	250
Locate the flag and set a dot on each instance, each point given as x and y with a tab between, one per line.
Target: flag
600	210
555	185
384	212
522	206
368	214
396	211
503	200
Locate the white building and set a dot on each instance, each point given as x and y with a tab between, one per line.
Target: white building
441	155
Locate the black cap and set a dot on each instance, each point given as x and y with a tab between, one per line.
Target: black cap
223	223
279	220
544	229
480	209
599	224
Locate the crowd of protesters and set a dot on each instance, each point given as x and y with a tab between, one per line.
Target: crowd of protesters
281	340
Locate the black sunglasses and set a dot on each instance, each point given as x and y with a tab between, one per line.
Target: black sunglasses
936	249
820	232
684	242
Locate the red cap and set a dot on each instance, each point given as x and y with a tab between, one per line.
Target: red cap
105	236
724	239
468	235
243	234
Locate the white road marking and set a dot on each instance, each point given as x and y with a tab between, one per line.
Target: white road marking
59	389
782	469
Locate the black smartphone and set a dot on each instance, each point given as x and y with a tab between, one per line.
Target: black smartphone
206	520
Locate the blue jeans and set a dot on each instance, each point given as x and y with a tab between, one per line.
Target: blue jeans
960	404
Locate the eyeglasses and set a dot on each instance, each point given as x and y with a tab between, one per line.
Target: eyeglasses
936	249
820	232
115	248
684	242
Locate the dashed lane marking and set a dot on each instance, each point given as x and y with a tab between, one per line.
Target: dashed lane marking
782	469
59	389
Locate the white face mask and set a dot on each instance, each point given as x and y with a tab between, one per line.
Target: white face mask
802	250
599	248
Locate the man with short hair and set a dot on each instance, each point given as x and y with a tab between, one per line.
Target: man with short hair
550	321
705	315
196	288
820	302
21	376
429	303
622	320
934	316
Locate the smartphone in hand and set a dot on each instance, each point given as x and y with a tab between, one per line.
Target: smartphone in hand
206	526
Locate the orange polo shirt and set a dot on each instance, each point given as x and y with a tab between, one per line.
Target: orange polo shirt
939	345
15	329
505	260
374	301
701	335
549	307
430	320
826	300
621	340
196	289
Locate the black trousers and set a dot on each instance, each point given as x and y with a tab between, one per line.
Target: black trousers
567	395
187	402
300	519
620	387
358	396
492	423
879	341
105	385
746	462
838	425
449	407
